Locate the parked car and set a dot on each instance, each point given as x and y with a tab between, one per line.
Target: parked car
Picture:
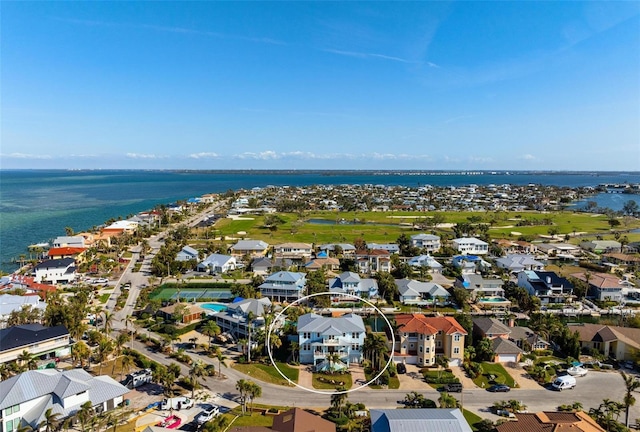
207	414
176	403
505	413
452	387
401	368
564	382
499	388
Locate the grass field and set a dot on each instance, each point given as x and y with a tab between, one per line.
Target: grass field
268	373
471	418
104	297
382	227
496	369
345	378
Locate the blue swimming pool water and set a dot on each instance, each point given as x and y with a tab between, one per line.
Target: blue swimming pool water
216	307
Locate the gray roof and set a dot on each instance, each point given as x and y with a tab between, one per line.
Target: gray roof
414	287
9	303
517	261
257	245
349	277
214	260
418	420
425	237
55	263
318	324
285	276
331	246
29	334
490	326
255	306
504	346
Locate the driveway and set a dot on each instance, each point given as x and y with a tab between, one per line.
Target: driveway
413	380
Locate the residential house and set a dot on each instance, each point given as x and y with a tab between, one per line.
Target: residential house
392	248
527	339
421	293
427	242
14	303
352	283
284	286
622	343
632	261
66	252
515	263
505	350
560	250
36	339
189	312
293	251
69	241
320	336
419	339
188	253
426	261
515	247
550	422
419	420
602	246
547	286
470	264
470	246
251	248
480	287
373	261
603	286
331	264
119	227
26	398
261	266
299	420
348	250
217	263
234	320
55	271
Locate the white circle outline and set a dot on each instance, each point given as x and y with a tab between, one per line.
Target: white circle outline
275	320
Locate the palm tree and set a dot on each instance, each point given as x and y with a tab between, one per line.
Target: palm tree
84	414
254	391
375	348
80	351
447	401
210	329
332	359
243	387
24	427
125	365
195	372
122	339
631	384
28	360
221	361
250	317
105	348
294	347
5	372
338	400
51	421
443	363
108	321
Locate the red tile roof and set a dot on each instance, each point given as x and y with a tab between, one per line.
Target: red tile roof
65	251
419	323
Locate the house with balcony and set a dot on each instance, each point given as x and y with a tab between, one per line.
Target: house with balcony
392	248
352	283
36	339
419	339
470	246
480	287
284	286
373	261
327	263
427	242
547	286
26	398
426	261
234	320
603	286
515	263
414	292
251	248
319	337
217	263
298	252
55	271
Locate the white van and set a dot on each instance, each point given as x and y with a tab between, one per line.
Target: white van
176	403
564	382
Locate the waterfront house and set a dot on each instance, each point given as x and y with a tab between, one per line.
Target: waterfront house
470	264
352	283
505	350
515	263
632	261
348	250
420	339
602	246
188	253
392	248
55	271
602	286
547	286
251	248
560	250
300	252
413	292
621	343
26	398
527	339
320	336
284	286
428	243
419	420
470	246
66	252
15	303
480	287
550	421
217	263
76	241
234	320
36	339
373	261
121	226
426	261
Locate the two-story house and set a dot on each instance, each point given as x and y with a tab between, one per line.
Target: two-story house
426	261
352	283
421	293
217	263
319	336
480	287
36	339
251	248
515	263
373	261
427	242
505	351
26	398
603	286
348	250
235	319
547	286
419	339
284	286
298	252
470	264
55	271
470	246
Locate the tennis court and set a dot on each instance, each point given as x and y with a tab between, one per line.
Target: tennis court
192	294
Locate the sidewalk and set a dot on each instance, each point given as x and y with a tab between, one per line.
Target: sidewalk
357	376
305	377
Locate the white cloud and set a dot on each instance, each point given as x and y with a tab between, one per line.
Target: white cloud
480	159
204	155
25	156
144	156
528	157
265	155
300	155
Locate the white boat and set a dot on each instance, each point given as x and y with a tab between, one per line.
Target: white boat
577	371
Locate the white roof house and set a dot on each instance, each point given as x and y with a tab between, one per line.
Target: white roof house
429	242
10	303
25	398
517	262
187	253
471	245
319	336
217	263
426	261
418	420
415	292
69	241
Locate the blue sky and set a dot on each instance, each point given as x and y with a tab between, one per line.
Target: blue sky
321	85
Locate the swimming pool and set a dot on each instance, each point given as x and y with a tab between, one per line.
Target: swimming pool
493	300
214	307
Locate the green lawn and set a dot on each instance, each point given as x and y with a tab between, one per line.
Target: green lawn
254	419
471	418
394	382
436	378
268	373
496	369
344	378
104	297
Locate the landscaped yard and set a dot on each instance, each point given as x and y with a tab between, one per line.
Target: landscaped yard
104	297
471	418
331	381
394	382
268	373
436	378
498	371
255	418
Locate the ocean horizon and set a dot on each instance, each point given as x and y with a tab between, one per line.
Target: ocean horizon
37	205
